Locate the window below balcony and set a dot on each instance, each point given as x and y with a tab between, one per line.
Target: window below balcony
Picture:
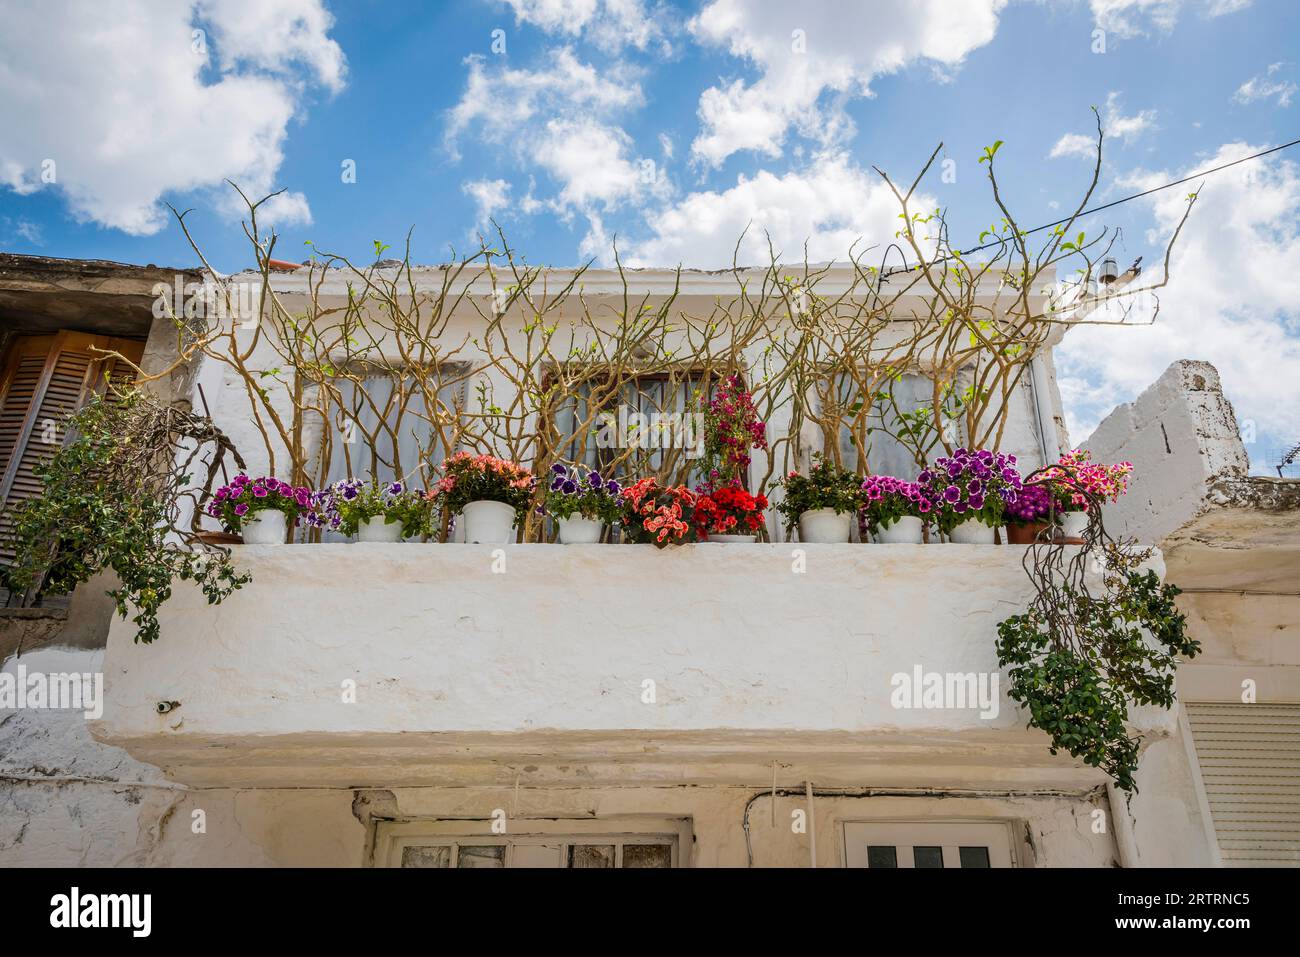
615	843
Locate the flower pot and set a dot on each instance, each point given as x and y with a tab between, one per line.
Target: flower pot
266	527
733	539
904	531
489	523
218	538
971	532
825	526
579	531
1074	525
378	530
1027	534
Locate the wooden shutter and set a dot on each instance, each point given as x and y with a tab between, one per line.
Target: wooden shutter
44	379
1250	762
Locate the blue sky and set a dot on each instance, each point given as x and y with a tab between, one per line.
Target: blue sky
751	111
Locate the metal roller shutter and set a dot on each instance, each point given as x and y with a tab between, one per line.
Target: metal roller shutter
1249	756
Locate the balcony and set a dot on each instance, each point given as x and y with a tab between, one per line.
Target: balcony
407	665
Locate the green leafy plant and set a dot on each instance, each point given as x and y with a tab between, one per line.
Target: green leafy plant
1078	661
112	502
825	486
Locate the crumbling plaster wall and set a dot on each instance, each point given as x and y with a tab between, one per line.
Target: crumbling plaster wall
67	800
1181	436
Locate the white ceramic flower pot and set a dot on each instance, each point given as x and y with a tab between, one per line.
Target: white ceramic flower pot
733	539
905	531
579	531
971	532
1074	524
266	527
378	530
825	526
489	523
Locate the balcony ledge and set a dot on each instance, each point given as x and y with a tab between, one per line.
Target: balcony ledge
473	664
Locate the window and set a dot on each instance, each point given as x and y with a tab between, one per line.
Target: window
876	429
43	379
929	844
654	411
380	430
612	843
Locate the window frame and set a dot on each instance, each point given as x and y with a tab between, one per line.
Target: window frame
822	437
358	368
392	837
684	374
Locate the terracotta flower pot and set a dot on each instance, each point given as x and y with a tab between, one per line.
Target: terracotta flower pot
1027	534
219	538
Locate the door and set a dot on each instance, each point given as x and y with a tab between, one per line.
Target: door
928	844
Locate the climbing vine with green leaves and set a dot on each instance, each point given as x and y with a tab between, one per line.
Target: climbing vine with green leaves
1081	655
114	498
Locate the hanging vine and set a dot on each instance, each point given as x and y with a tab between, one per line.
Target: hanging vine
1101	634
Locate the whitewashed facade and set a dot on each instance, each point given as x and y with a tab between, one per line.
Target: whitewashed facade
707	705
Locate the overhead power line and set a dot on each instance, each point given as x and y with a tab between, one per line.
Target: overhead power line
1118	202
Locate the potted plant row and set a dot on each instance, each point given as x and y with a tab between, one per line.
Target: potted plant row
966	497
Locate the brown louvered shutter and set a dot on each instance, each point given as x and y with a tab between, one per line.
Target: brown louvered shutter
44	380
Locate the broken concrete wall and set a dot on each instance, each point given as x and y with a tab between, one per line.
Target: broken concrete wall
1181	436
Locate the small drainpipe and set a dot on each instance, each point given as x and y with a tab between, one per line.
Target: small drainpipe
812	826
1042	411
1125	839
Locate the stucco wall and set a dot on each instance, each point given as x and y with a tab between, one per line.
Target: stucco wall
459	668
68	800
1181	436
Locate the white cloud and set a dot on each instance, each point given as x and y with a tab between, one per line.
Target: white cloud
1114	123
274	37
1266	86
558	117
503	101
594	163
1074	144
1130	18
831	205
808	49
489	195
609	24
129	105
1233	299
